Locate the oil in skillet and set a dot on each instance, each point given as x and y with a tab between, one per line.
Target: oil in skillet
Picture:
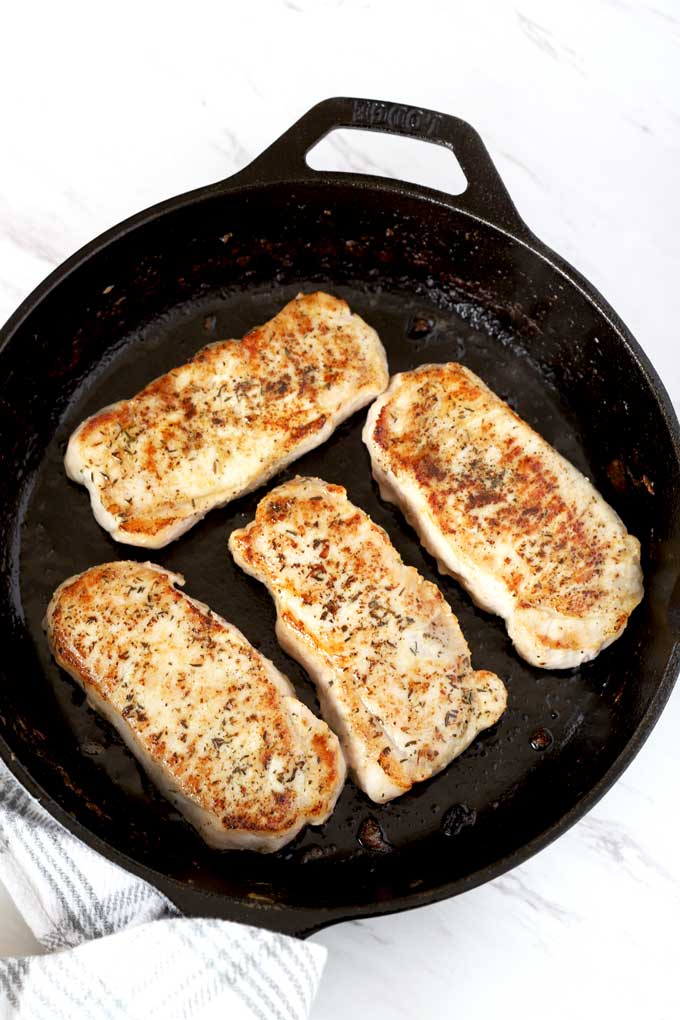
542	739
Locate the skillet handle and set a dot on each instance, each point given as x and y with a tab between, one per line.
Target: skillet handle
485	195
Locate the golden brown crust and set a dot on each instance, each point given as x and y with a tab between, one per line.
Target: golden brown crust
214	428
393	668
493	500
199	700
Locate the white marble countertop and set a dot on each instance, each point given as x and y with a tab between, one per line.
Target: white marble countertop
105	111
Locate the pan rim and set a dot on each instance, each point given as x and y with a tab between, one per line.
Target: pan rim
294	918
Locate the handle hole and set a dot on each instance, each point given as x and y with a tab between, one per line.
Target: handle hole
405	159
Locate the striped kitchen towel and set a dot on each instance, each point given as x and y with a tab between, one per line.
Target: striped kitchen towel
117	948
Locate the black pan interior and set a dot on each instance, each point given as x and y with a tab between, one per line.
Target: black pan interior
438	286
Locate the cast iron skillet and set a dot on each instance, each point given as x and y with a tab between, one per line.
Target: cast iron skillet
441	278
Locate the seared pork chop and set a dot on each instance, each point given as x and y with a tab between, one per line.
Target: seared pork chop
216	726
225	422
382	645
519	526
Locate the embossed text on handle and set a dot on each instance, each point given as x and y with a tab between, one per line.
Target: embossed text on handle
371	113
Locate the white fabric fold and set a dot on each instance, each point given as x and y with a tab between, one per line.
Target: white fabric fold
117	948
